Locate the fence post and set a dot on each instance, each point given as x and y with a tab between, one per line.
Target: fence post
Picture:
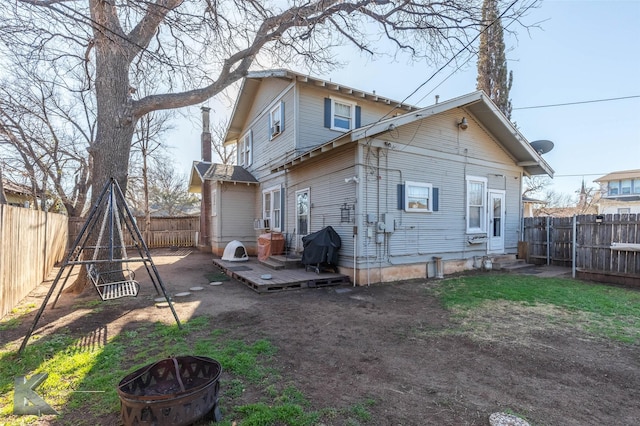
574	240
548	229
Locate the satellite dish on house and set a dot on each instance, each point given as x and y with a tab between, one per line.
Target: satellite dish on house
542	146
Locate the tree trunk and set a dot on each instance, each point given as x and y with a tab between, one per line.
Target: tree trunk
114	133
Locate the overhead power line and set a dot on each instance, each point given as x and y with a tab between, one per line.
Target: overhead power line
580	102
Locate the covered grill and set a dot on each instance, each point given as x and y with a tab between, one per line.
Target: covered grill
321	249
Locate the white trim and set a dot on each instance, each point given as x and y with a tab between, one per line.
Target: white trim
352	107
483	207
409	209
491	247
308	213
244	151
273	132
272	211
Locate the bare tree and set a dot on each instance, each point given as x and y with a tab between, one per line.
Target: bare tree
44	137
199	48
226	153
535	186
168	190
147	144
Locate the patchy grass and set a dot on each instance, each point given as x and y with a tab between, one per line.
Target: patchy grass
601	310
83	378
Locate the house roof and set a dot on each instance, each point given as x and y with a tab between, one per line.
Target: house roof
252	81
623	174
204	170
16	188
533	200
477	103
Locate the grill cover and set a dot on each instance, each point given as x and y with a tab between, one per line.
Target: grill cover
321	247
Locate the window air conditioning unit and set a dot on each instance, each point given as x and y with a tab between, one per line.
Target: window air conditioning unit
259	224
275	130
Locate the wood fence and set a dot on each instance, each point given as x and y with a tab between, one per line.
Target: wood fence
180	231
31	242
607	247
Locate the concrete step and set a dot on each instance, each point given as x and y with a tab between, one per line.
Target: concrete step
510	265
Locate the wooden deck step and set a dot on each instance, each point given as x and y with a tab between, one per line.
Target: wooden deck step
273	264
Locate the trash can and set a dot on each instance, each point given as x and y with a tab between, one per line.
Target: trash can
270	244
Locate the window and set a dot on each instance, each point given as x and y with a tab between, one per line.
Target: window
276	120
417	197
636	186
302	212
476	209
625	210
614	187
272	207
341	115
245	150
625	187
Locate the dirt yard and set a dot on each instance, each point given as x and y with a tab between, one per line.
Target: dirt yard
396	345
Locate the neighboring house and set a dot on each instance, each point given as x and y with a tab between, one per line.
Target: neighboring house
18	195
404	187
620	192
530	206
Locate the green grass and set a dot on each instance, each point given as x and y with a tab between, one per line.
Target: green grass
83	375
605	311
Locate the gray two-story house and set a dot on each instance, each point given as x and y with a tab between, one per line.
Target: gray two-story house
406	188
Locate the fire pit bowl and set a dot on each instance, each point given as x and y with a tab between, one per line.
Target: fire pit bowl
172	391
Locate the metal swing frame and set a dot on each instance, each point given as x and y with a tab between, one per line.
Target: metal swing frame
110	214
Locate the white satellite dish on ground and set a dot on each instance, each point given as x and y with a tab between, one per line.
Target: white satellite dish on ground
542	146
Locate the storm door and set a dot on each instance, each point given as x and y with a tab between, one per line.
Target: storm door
303	216
496	221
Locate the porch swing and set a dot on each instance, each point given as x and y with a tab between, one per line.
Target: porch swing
115	283
109	215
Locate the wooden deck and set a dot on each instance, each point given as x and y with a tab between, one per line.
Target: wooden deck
255	276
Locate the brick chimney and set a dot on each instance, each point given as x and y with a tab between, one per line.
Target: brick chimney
206	135
205	205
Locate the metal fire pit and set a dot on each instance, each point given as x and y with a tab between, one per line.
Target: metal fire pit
173	391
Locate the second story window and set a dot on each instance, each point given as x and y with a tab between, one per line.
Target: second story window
276	120
245	150
341	114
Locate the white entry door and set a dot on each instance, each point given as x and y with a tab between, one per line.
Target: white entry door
496	221
303	213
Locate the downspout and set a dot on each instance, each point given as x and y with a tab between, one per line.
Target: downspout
380	248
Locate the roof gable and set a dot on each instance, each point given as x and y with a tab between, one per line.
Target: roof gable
620	175
477	103
253	80
203	170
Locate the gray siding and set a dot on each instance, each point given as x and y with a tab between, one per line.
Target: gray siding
235	208
328	191
266	151
311	115
268	91
433	151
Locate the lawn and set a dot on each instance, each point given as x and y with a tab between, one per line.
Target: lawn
255	389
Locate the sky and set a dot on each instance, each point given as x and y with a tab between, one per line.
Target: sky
584	53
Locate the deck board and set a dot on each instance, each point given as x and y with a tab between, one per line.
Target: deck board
250	273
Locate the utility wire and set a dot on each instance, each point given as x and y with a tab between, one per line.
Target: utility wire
579	102
464	48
